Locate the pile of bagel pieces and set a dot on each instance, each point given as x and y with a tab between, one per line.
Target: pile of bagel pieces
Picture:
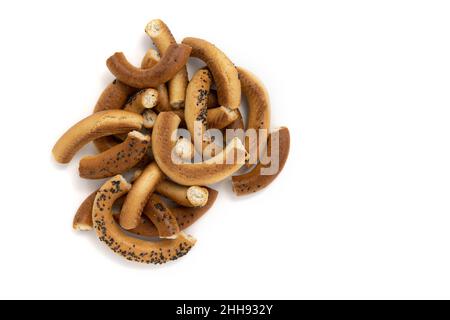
156	180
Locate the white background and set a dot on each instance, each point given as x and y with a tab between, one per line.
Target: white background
362	209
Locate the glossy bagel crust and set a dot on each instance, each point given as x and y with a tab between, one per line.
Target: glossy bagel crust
207	172
97	125
175	58
195	111
83	218
128	247
161	216
116	160
138	196
223	70
162	37
253	181
258	103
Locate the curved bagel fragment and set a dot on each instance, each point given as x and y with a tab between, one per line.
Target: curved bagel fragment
144	99
161	216
113	97
163	38
118	159
128	247
195	111
194	196
95	126
175	58
223	70
138	196
221	117
254	180
207	172
83	218
185	217
258	105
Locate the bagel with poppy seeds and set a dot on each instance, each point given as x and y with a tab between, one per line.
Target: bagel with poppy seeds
128	247
254	180
118	159
223	71
163	38
210	171
95	126
175	58
161	216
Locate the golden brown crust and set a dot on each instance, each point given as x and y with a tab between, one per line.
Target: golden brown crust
128	247
138	196
193	196
150	59
116	160
207	172
175	58
254	181
149	118
161	216
195	111
223	70
238	123
113	97
162	37
258	104
97	125
213	102
83	218
221	117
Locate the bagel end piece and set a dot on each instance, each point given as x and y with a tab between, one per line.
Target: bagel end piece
151	58
210	171
184	149
254	181
95	126
116	160
161	216
175	58
223	70
138	196
144	99
238	123
128	247
221	117
149	118
83	218
194	196
162	37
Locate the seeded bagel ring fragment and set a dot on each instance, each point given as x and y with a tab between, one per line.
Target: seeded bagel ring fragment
95	126
143	100
163	38
173	61
161	216
128	247
138	196
254	180
258	105
189	174
193	196
116	160
223	70
185	217
195	111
